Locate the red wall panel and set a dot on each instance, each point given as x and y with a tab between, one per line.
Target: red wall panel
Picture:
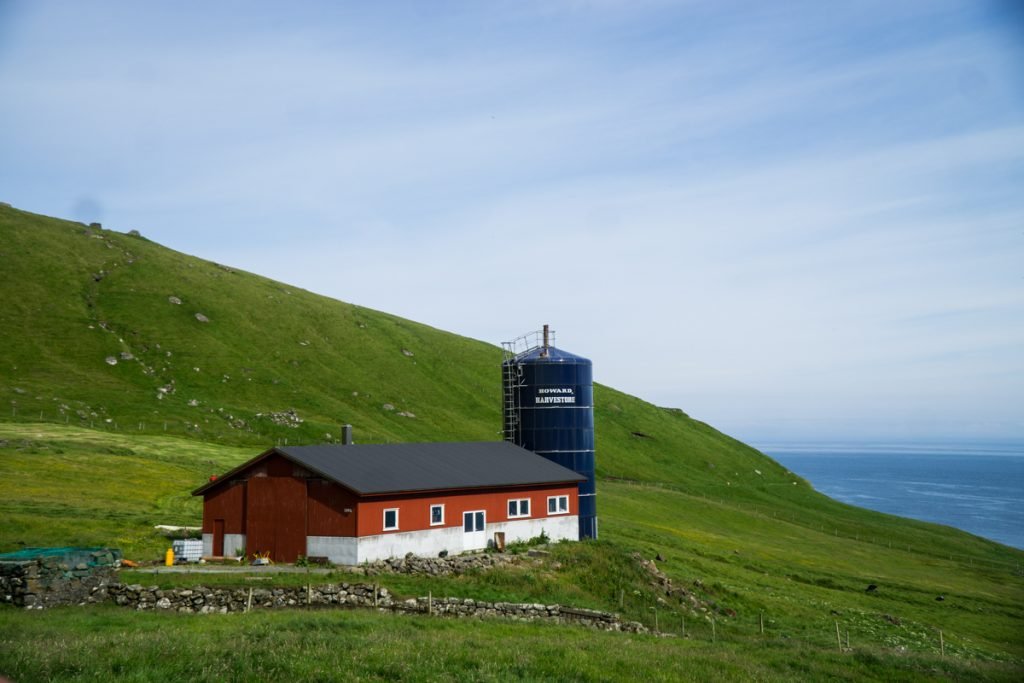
327	504
226	502
414	508
276	515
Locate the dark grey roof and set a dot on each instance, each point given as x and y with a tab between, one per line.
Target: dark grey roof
386	468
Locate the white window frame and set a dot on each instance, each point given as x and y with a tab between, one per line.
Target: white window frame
384	519
436	505
519	507
557	510
473	514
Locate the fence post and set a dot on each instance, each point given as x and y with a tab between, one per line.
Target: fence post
942	644
714	634
839	641
248	604
760	619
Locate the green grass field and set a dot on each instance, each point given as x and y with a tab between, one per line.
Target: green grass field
97	454
110	644
747	562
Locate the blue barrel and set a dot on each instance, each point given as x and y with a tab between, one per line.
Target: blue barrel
549	409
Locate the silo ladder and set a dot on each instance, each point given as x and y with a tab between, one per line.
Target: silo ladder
512	380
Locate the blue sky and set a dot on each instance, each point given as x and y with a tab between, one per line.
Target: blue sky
796	221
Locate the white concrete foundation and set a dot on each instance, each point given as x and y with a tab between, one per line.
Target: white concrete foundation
562	527
337	549
429	542
232	544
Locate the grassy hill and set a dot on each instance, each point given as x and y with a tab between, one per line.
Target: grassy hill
212	364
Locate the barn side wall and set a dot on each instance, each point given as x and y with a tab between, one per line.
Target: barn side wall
414	508
226	503
326	514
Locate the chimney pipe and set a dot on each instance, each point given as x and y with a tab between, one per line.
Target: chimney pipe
546	341
346	435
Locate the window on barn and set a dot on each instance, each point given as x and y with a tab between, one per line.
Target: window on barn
390	519
473	522
558	505
436	515
519	507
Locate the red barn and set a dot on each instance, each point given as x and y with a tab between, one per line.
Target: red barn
357	503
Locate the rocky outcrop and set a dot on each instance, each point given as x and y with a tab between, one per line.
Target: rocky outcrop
662	583
284	418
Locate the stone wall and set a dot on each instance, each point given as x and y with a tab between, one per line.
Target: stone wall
222	600
437	566
517	611
71	579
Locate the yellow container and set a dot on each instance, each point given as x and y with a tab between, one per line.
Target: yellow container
169	557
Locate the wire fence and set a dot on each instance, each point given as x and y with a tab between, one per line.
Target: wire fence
859	632
212	426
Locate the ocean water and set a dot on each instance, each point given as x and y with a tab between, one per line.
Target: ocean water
979	489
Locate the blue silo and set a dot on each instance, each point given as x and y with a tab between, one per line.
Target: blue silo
549	409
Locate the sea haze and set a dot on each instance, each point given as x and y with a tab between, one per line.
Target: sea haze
977	488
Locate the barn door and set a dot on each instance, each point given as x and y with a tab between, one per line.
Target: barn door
276	517
218	538
474	536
